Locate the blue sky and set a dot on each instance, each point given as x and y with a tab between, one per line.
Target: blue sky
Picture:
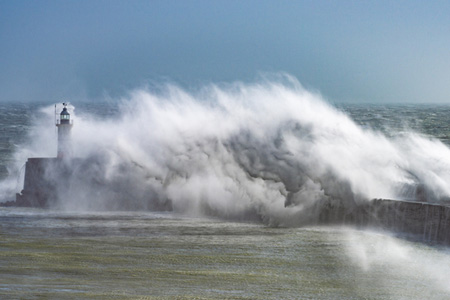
350	51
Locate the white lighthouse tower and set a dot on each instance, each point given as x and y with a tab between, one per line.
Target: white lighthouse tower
64	125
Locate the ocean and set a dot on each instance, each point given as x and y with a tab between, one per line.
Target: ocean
239	178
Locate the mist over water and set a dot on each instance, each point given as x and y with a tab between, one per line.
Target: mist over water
267	151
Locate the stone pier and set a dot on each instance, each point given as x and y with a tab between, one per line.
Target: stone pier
425	222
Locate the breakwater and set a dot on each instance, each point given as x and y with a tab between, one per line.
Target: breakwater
48	179
425	222
41	182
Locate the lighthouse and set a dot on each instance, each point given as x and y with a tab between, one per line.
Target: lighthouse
64	125
45	177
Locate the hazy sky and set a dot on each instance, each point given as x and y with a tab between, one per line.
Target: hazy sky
358	51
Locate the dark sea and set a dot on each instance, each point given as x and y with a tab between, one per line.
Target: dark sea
70	252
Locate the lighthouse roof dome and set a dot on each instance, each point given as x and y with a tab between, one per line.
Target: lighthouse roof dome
64	111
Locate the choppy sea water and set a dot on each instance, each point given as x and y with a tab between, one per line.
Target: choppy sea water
54	255
129	255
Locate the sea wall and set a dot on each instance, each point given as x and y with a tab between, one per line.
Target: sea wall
428	222
42	176
48	179
425	222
